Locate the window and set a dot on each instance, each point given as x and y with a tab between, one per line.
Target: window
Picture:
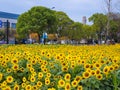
13	25
4	24
0	24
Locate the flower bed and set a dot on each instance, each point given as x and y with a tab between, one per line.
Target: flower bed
59	67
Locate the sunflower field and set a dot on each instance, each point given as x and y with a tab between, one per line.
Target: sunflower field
59	67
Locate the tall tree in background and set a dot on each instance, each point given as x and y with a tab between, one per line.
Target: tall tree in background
75	31
22	25
89	32
63	23
99	22
115	27
37	20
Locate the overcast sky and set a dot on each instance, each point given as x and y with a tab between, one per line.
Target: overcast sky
75	9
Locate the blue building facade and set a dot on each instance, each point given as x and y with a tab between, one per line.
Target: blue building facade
12	18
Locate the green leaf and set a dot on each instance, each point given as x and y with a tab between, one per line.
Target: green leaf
118	74
97	85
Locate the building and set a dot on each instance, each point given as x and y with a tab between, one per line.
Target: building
12	18
84	20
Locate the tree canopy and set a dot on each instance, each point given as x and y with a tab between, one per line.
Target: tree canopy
99	22
63	23
38	19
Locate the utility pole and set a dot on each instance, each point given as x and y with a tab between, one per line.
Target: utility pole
7	32
108	17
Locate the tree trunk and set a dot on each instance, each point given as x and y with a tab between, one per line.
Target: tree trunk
38	38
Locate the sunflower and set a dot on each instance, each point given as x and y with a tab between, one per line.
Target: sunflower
61	83
67	86
7	88
43	52
45	70
40	75
72	66
64	64
40	61
4	83
4	64
22	69
80	88
9	79
78	78
86	74
52	84
32	69
45	63
67	77
32	79
111	68
97	71
7	58
1	76
48	74
57	57
82	62
1	56
39	84
34	87
93	72
14	61
24	79
29	65
65	69
42	66
16	87
48	55
33	61
9	70
23	85
0	85
86	66
28	87
15	67
106	70
74	83
99	76
102	62
51	89
47	82
97	65
116	66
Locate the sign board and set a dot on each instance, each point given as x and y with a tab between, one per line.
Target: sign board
0	24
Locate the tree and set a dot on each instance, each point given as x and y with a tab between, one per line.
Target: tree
75	31
38	19
63	23
99	22
88	32
115	27
22	25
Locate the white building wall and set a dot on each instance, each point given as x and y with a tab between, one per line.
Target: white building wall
10	20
